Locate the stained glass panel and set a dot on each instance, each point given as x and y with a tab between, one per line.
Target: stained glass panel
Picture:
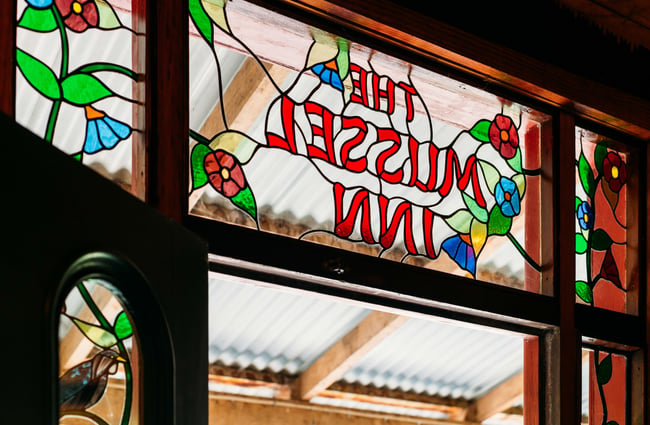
606	271
76	83
604	387
308	134
97	358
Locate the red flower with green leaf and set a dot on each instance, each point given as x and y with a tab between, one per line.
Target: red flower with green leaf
78	15
614	171
503	136
609	269
224	173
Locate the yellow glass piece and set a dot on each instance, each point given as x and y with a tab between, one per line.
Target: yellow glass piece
77	8
225	174
615	172
478	233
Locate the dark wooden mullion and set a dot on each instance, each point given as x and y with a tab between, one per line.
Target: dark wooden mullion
372	273
167	107
610	326
567	350
644	278
7	55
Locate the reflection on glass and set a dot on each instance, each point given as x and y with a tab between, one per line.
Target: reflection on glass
603	259
97	353
308	134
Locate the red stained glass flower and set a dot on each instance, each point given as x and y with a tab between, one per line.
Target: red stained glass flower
609	270
224	173
503	135
78	15
614	171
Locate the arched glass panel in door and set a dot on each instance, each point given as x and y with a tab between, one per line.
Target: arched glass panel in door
98	357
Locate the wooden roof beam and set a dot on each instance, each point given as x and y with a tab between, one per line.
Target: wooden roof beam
333	364
496	400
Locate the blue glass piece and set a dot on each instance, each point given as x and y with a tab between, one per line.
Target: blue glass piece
122	130
106	136
92	144
40	4
318	68
336	81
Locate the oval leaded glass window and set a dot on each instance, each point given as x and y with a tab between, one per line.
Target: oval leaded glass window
97	357
309	134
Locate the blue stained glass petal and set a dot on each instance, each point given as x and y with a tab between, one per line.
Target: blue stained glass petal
122	130
40	4
91	144
318	68
515	203
106	135
461	256
326	76
499	194
471	261
336	81
507	184
506	209
451	245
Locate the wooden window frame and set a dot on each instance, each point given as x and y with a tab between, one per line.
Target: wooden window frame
558	320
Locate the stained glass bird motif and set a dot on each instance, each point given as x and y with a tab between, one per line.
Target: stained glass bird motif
83	386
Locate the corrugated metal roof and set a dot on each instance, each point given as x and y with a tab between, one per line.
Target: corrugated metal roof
265	328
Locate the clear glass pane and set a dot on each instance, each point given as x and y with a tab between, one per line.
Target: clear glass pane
76	80
606	223
98	358
304	133
604	387
292	357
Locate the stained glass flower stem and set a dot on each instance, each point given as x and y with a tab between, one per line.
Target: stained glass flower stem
523	253
56	106
128	384
199	138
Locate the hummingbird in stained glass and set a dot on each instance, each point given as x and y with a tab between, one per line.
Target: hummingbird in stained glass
84	384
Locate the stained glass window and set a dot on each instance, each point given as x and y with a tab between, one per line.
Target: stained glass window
606	260
306	133
97	358
604	387
76	82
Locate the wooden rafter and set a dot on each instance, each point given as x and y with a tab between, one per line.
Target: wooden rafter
496	400
331	366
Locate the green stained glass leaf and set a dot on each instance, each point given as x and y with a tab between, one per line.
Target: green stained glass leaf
40	20
477	211
39	75
480	131
99	336
584	291
107	18
460	221
498	224
78	156
201	20
599	156
122	326
604	370
586	175
245	200
84	89
491	175
600	240
581	244
515	161
578	203
343	58
199	176
520	181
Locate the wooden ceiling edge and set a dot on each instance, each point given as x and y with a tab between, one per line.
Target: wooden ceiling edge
504	67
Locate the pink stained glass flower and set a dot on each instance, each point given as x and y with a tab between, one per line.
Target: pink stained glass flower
503	135
78	15
224	173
